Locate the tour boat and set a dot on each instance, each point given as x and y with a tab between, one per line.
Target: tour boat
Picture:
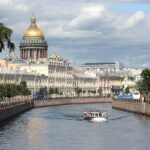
95	115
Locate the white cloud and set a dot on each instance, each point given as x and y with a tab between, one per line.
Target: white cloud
5	2
134	20
82	28
88	15
22	7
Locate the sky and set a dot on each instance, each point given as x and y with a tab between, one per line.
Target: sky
84	31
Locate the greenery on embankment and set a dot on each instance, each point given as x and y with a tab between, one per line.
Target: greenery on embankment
12	90
144	84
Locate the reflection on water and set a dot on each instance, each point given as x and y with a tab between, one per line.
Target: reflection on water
62	128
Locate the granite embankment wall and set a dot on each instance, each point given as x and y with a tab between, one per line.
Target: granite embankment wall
11	109
136	106
66	101
8	110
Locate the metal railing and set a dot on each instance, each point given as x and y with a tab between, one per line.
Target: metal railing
12	103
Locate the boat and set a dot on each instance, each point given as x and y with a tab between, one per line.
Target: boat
130	96
95	115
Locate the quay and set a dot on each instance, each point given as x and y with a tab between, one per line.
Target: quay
67	101
136	106
12	108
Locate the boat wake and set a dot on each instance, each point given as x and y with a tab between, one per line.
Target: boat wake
99	120
118	118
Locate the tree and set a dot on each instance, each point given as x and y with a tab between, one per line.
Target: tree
127	90
144	85
1	92
23	88
56	90
5	36
9	90
94	92
78	91
51	91
100	91
43	91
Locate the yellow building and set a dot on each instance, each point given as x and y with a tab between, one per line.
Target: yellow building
9	65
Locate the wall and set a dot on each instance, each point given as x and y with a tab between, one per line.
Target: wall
65	101
132	106
14	110
11	111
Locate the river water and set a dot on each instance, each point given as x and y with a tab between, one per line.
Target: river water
62	128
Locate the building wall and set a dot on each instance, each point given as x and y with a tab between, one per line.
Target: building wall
8	65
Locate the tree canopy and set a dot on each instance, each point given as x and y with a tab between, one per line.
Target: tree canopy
144	85
5	36
11	90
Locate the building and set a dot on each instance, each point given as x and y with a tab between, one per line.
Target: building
39	70
33	46
103	67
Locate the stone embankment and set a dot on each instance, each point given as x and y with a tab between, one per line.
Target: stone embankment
10	109
136	106
66	101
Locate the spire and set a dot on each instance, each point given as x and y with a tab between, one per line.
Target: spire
33	20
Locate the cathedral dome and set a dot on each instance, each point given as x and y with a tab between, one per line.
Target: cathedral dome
33	46
33	30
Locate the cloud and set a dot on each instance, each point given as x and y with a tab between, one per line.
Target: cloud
134	20
22	7
5	2
90	18
84	30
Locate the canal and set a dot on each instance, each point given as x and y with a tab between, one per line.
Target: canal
62	128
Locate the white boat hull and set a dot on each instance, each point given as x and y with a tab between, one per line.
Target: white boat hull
98	119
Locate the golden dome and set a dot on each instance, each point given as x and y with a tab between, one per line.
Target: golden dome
33	30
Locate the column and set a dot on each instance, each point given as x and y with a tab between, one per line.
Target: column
32	54
28	53
40	53
23	53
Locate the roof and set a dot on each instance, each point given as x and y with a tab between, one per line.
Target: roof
84	76
100	63
93	111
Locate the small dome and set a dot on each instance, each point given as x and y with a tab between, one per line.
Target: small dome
33	30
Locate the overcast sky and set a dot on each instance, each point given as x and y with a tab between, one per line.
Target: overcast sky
86	30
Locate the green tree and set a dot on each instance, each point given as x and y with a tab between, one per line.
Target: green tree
9	90
60	93
56	90
23	89
5	36
1	92
51	91
94	92
127	90
78	91
43	91
144	85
